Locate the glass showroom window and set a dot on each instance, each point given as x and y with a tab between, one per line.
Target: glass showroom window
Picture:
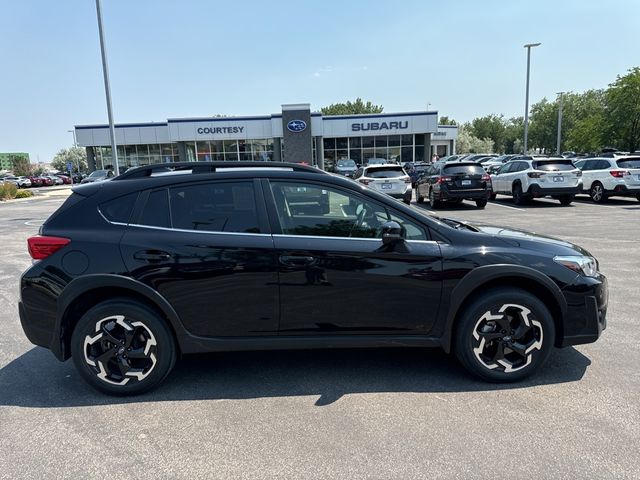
203	151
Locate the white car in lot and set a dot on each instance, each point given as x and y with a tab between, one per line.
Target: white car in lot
390	179
610	177
536	178
20	182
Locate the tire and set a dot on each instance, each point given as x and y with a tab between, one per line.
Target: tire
435	204
638	197
419	198
489	313
565	200
481	203
518	196
407	201
139	329
597	194
493	196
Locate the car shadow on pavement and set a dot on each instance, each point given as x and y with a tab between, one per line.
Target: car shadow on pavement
37	380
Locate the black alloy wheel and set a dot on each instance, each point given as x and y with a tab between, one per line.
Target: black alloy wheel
518	196
122	347
565	200
504	335
435	204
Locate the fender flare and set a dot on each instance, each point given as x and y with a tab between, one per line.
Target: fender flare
81	285
485	274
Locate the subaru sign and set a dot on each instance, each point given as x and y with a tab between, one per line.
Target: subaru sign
296	125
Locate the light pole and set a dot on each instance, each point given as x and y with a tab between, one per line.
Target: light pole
560	122
528	46
107	91
75	144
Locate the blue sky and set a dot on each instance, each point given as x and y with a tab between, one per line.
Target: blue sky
241	57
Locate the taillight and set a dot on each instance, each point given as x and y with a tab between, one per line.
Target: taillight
41	247
364	181
444	179
486	178
407	180
579	173
619	173
534	174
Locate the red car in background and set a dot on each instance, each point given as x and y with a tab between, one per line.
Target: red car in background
36	181
46	181
66	180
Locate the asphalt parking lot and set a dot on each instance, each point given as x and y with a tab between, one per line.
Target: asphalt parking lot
340	414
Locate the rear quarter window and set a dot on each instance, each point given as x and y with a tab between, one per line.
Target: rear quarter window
119	209
629	163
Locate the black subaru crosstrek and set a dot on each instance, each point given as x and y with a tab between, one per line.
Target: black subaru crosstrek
454	182
131	273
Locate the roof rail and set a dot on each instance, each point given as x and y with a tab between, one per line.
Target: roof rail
209	167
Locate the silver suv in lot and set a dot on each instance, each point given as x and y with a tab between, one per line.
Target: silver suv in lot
536	178
610	177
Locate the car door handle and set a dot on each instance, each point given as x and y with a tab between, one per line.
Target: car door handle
297	260
152	256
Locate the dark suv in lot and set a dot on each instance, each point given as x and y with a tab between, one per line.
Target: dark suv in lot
165	261
454	182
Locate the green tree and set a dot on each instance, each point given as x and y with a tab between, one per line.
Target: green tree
446	121
623	110
490	126
21	166
75	155
513	135
543	126
352	108
467	143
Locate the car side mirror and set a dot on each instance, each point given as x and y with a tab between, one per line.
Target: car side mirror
391	233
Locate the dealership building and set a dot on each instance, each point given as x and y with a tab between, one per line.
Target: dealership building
296	134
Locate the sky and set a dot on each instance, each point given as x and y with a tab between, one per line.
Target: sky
193	58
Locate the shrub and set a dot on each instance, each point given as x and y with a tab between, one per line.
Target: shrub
23	194
8	191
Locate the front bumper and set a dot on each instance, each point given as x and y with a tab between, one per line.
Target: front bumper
538	191
586	316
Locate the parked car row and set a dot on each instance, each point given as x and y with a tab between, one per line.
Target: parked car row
37	180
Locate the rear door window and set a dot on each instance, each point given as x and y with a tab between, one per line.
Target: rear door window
215	207
156	210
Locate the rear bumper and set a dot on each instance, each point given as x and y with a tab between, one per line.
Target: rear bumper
586	316
407	195
538	191
475	194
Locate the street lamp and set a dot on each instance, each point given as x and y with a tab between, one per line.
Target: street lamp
107	90
560	121
528	46
75	144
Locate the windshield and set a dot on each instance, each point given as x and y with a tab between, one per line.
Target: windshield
346	163
629	163
376	161
385	172
554	165
98	173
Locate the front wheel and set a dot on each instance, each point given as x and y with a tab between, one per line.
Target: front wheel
122	347
565	200
504	335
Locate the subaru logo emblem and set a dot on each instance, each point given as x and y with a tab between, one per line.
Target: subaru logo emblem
296	125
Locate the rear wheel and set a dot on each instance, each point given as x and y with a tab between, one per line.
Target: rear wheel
432	200
481	203
504	335
122	347
518	196
565	199
638	197
596	192
493	196
419	198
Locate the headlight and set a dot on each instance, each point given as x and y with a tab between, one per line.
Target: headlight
586	266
